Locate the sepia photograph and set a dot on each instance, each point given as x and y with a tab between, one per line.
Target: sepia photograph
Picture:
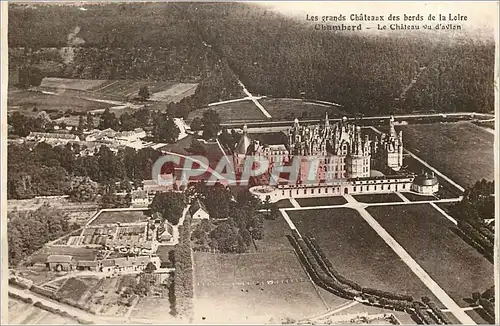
249	162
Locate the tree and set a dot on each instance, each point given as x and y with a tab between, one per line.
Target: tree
169	204
165	129
83	189
108	120
150	268
81	124
211	124
226	237
197	148
196	124
144	93
90	121
128	122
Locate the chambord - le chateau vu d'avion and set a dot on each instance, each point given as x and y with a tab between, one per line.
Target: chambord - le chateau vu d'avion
250	163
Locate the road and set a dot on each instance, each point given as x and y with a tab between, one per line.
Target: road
454	115
254	100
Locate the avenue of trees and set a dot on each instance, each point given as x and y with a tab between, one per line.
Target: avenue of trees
473	213
30	230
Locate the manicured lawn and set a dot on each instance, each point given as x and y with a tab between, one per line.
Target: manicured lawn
417	197
429	238
465	150
378	198
275	239
290	109
121	217
236	111
321	201
357	251
284	203
446	189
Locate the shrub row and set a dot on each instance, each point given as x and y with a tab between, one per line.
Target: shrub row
46	293
14	282
40	305
420	315
315	248
18	297
488	307
471	238
438	313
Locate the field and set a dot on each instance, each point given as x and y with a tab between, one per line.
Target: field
175	93
21	313
25	101
378	198
67	83
357	251
236	111
321	201
263	286
252	288
290	109
121	217
428	237
461	151
156	309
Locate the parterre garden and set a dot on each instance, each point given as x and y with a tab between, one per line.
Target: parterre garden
429	238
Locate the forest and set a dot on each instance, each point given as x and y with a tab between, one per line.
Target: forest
217	44
30	230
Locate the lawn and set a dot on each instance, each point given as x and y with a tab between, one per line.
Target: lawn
461	151
357	251
284	203
446	189
275	239
321	201
121	217
236	111
21	313
429	238
174	93
416	197
378	198
290	109
25	101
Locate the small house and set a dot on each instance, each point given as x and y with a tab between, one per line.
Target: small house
85	265
198	211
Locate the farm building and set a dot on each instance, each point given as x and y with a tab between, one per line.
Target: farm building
198	211
127	264
52	138
140	198
84	265
60	263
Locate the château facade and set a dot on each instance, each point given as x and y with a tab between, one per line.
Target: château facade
342	151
